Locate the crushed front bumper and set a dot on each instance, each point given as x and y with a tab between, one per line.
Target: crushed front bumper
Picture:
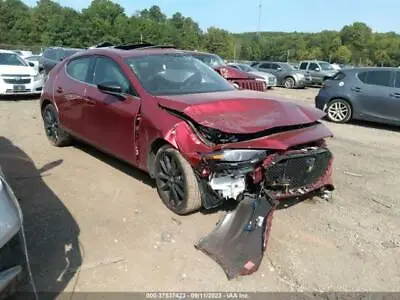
238	242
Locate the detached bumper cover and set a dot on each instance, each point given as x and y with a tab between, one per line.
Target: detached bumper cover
238	242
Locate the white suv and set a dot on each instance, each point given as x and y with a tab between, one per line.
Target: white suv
18	76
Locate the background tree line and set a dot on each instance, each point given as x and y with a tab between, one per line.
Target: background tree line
50	24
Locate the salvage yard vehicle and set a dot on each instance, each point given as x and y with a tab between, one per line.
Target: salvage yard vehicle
240	79
13	262
269	78
18	76
202	140
52	56
286	74
318	70
370	94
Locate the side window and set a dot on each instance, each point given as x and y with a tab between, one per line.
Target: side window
265	66
275	66
78	68
50	54
108	71
381	78
235	66
303	66
313	66
397	82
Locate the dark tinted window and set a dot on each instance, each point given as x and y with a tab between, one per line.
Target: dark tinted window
107	71
303	66
313	66
78	68
397	83
381	78
275	66
339	76
265	66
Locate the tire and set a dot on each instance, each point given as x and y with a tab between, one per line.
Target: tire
55	134
289	82
176	182
339	111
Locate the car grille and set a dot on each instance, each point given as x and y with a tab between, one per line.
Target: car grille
256	85
17	80
294	171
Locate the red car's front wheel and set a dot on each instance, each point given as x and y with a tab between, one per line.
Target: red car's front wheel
176	182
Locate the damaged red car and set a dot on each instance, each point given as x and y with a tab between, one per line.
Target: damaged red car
238	78
202	140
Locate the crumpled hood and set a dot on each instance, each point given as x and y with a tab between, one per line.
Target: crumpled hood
17	70
240	111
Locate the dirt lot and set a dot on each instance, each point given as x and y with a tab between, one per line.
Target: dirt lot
96	224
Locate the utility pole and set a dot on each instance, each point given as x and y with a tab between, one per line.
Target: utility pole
259	16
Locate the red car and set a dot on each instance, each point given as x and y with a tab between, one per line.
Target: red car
204	141
239	79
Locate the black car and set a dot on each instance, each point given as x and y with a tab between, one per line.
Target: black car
53	55
371	94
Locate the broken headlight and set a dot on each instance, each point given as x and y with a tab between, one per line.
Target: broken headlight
237	155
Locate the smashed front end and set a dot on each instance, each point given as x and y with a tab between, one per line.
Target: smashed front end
257	169
257	179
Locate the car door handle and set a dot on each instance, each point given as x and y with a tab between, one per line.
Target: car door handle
356	89
395	95
59	89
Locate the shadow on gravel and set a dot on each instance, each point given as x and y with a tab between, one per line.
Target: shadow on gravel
116	163
375	125
19	97
51	231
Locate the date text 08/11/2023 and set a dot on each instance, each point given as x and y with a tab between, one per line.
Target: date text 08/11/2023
195	295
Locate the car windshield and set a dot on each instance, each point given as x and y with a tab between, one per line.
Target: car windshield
11	59
246	68
212	60
325	66
175	74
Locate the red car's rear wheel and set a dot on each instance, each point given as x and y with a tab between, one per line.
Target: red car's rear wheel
176	182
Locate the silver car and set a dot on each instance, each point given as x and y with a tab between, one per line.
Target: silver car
13	263
269	78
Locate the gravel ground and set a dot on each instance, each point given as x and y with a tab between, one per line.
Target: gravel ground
96	224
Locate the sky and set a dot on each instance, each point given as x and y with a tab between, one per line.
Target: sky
279	15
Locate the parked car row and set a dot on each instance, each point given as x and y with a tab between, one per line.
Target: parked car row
18	76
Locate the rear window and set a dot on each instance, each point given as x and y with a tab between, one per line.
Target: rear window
339	76
380	78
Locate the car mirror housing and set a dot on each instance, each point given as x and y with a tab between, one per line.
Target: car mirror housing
317	69
111	89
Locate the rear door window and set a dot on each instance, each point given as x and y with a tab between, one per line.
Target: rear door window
303	66
265	66
379	78
397	80
313	66
78	68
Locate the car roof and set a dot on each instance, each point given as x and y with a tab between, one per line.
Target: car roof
358	69
314	61
7	51
129	53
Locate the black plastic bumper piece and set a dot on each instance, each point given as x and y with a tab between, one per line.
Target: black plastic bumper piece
238	242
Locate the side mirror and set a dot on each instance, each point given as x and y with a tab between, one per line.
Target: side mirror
317	69
111	89
279	69
31	64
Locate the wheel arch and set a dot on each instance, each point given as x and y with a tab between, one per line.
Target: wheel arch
347	100
151	155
